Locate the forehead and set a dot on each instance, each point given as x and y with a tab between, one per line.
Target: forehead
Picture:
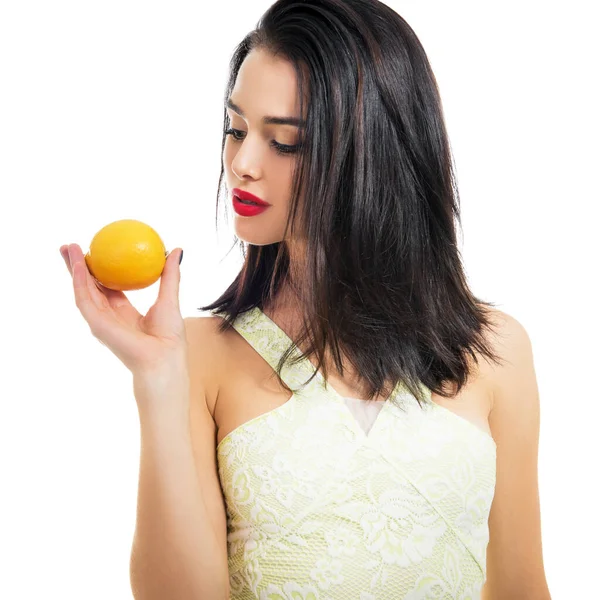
266	85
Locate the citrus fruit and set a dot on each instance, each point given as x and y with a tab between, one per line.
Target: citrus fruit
126	255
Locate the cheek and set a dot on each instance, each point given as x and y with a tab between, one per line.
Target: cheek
227	153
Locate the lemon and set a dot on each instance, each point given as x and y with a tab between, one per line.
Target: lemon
126	255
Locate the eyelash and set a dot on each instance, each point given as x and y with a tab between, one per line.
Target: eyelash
279	148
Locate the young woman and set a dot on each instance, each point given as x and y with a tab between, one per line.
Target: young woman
350	421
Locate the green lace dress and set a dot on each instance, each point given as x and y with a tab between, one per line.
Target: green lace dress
317	509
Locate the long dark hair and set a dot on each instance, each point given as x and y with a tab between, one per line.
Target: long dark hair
384	280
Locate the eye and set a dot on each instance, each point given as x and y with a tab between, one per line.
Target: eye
234	133
279	148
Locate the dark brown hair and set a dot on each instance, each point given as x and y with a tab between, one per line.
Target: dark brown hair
384	280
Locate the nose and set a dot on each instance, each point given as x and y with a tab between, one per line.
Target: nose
247	161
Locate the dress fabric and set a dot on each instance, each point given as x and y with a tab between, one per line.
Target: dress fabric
319	509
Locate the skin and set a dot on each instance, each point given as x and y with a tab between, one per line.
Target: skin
265	86
502	400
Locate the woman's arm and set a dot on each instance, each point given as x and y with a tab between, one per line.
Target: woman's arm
179	549
515	566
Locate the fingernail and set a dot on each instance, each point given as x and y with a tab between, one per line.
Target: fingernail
181	257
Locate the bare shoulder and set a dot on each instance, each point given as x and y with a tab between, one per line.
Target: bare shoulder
206	350
512	344
514	554
513	382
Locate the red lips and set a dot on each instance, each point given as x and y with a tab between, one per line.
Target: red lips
248	196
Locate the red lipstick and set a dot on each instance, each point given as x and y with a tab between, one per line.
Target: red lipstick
247	204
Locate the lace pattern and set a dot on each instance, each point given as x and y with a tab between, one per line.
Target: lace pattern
319	509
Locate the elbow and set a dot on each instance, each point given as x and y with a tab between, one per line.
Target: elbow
525	592
157	584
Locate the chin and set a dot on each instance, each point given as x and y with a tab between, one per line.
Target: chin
255	238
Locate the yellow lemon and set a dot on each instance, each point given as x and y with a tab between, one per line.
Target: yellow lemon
126	255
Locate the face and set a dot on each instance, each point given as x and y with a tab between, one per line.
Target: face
259	156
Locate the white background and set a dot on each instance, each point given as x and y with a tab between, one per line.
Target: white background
112	110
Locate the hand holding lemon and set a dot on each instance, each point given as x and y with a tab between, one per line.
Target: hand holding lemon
130	255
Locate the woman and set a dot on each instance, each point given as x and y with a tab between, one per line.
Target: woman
404	462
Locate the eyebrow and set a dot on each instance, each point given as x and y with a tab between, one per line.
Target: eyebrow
300	123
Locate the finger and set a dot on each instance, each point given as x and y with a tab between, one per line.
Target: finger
83	299
95	306
101	296
89	298
170	278
70	255
64	252
85	279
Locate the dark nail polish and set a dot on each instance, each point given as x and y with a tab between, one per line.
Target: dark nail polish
181	257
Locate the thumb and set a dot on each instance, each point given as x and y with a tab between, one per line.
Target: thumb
171	275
